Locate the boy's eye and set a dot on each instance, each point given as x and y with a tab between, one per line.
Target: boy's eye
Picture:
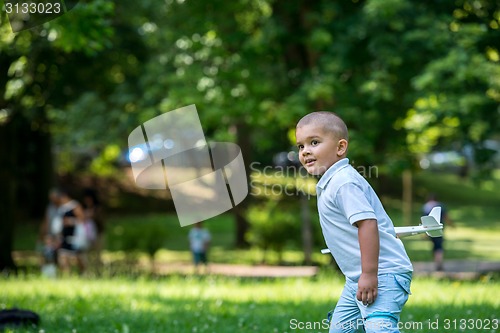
314	142
300	147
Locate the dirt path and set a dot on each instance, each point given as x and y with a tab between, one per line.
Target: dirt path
456	269
241	270
453	269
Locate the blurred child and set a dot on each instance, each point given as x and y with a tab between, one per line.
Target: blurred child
199	241
73	238
49	254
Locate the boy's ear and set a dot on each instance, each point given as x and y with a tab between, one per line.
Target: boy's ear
342	147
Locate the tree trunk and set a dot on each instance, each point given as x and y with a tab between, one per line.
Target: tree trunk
242	226
8	179
407	196
25	174
44	176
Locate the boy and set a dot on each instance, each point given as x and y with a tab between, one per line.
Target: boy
199	240
357	230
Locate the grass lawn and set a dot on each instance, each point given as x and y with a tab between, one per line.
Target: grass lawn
219	305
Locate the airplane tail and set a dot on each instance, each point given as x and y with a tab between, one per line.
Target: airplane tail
433	222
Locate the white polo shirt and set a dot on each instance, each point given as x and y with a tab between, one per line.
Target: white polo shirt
344	198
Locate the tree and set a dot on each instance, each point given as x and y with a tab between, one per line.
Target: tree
404	74
459	90
210	54
42	70
251	66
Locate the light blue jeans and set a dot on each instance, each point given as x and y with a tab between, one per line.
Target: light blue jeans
350	315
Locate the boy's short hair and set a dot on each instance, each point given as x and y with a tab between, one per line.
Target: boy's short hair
328	120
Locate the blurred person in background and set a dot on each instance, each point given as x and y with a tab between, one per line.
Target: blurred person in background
48	237
73	234
199	241
438	242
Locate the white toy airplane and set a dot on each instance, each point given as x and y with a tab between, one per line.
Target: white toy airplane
431	225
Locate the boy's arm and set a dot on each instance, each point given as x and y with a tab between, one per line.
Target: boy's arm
369	245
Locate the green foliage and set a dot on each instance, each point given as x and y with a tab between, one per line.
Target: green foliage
74	77
145	237
153	239
273	225
458	87
405	75
104	165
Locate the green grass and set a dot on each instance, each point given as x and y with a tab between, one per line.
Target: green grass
219	305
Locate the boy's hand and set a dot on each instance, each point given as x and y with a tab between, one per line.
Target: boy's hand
367	288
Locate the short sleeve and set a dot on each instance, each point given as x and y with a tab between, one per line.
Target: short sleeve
354	204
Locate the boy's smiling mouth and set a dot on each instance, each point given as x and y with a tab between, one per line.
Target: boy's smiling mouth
309	161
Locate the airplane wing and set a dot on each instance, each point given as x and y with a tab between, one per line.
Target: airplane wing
430	224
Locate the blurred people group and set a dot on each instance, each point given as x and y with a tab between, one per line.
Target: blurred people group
71	233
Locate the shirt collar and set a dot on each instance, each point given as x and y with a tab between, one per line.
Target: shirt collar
325	178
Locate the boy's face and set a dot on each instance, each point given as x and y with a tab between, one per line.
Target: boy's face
318	149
